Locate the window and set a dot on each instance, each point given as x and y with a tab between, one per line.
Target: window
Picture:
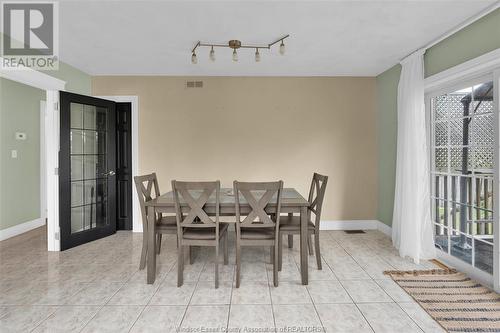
462	173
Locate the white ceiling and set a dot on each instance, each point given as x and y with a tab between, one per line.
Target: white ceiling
328	38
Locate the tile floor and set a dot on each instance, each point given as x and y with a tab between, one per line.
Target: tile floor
97	287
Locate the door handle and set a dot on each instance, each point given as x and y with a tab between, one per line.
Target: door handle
110	173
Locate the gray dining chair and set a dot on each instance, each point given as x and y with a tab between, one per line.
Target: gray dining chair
260	225
145	185
290	225
194	226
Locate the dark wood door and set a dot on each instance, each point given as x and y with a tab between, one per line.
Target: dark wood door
124	166
87	168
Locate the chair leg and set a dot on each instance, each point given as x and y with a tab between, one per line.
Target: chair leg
158	243
271	254
180	265
310	245
280	251
226	249
216	266
275	265
238	263
144	251
191	254
290	241
318	254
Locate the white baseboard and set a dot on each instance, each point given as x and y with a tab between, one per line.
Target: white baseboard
21	228
349	225
357	225
384	228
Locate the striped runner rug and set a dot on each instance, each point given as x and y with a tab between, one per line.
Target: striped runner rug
456	302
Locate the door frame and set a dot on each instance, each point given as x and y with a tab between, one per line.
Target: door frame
43	185
52	86
496	231
485	65
134	100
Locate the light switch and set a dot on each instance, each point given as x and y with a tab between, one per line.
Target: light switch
13	153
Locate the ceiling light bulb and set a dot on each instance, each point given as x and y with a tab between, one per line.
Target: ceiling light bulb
212	54
282	48
257	55
235	55
194	60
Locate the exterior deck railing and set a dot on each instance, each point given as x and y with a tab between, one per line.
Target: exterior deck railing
474	216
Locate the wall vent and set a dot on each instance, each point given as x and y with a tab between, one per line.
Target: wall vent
194	84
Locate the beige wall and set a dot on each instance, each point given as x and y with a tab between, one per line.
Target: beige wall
263	129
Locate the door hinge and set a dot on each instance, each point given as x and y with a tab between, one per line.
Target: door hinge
56	171
56	106
56	236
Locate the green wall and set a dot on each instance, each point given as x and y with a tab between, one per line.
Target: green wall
20	112
20	184
474	40
387	92
76	81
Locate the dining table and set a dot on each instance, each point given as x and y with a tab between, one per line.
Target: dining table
291	202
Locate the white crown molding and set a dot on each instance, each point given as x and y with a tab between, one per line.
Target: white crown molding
32	78
469	69
21	228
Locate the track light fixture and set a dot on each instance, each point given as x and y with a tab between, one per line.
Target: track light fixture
236	44
212	54
282	48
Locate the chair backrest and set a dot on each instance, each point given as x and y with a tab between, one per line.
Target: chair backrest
259	196
145	185
195	196
316	196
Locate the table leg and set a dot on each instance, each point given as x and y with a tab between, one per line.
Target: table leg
151	245
303	245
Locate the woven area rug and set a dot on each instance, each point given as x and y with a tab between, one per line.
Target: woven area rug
456	302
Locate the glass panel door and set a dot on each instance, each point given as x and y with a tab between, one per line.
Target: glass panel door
87	167
463	173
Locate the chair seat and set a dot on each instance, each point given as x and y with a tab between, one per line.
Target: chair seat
204	233
168	220
292	223
257	233
166	223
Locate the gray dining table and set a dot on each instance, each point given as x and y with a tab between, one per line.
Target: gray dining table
292	202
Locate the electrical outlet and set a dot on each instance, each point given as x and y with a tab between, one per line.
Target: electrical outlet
13	153
21	136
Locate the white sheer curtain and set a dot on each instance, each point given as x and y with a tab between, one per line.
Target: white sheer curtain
411	223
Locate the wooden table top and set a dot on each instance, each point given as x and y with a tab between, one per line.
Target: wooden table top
289	197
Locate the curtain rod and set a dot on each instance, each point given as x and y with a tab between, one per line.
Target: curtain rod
457	28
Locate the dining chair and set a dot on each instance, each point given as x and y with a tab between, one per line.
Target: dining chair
290	225
194	226
260	227
145	185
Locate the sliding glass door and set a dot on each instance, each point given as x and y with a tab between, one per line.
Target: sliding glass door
463	172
